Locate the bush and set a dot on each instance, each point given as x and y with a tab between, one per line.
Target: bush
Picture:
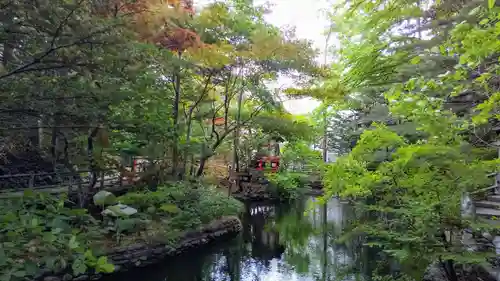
287	185
38	232
183	206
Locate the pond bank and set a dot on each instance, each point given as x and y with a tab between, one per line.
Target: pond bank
141	255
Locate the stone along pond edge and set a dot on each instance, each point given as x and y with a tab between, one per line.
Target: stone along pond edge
142	255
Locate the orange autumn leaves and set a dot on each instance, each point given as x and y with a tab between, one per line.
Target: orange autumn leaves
162	24
177	39
157	21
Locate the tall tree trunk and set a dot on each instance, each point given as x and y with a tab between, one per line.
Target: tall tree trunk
10	40
236	164
249	149
92	165
186	149
175	116
325	119
235	160
325	138
236	143
191	165
203	161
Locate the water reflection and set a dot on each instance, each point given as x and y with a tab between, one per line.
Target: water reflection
277	243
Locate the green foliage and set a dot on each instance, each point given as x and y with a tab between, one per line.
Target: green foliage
287	126
287	185
38	232
414	194
408	183
183	206
298	156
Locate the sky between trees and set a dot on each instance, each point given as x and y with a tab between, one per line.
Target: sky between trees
310	20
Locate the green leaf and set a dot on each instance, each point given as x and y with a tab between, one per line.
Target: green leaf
125	224
49	237
7	276
103	265
415	60
73	244
106	268
19	273
89	257
51	263
442	49
3	257
169	208
463	59
29	193
491	4
31	268
79	267
102	260
484	21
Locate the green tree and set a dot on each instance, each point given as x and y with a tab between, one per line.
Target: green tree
407	182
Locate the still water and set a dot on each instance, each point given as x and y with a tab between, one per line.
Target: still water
291	242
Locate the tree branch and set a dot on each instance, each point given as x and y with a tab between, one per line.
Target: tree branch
38	59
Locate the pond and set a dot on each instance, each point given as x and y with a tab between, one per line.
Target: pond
278	242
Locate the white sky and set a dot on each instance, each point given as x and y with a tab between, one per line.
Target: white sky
310	21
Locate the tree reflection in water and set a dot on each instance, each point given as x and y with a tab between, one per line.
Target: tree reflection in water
296	242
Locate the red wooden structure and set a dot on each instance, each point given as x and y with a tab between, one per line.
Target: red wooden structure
218	121
273	161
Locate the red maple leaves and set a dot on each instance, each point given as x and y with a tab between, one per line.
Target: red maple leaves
177	39
152	26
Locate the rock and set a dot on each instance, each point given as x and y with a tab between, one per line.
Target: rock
434	273
488	236
96	277
119	210
51	278
104	198
67	277
81	278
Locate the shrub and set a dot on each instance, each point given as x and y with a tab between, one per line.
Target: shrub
38	232
287	185
184	205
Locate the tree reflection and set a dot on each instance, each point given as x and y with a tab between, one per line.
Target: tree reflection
300	242
311	241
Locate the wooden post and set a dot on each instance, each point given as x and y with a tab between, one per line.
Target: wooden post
31	182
